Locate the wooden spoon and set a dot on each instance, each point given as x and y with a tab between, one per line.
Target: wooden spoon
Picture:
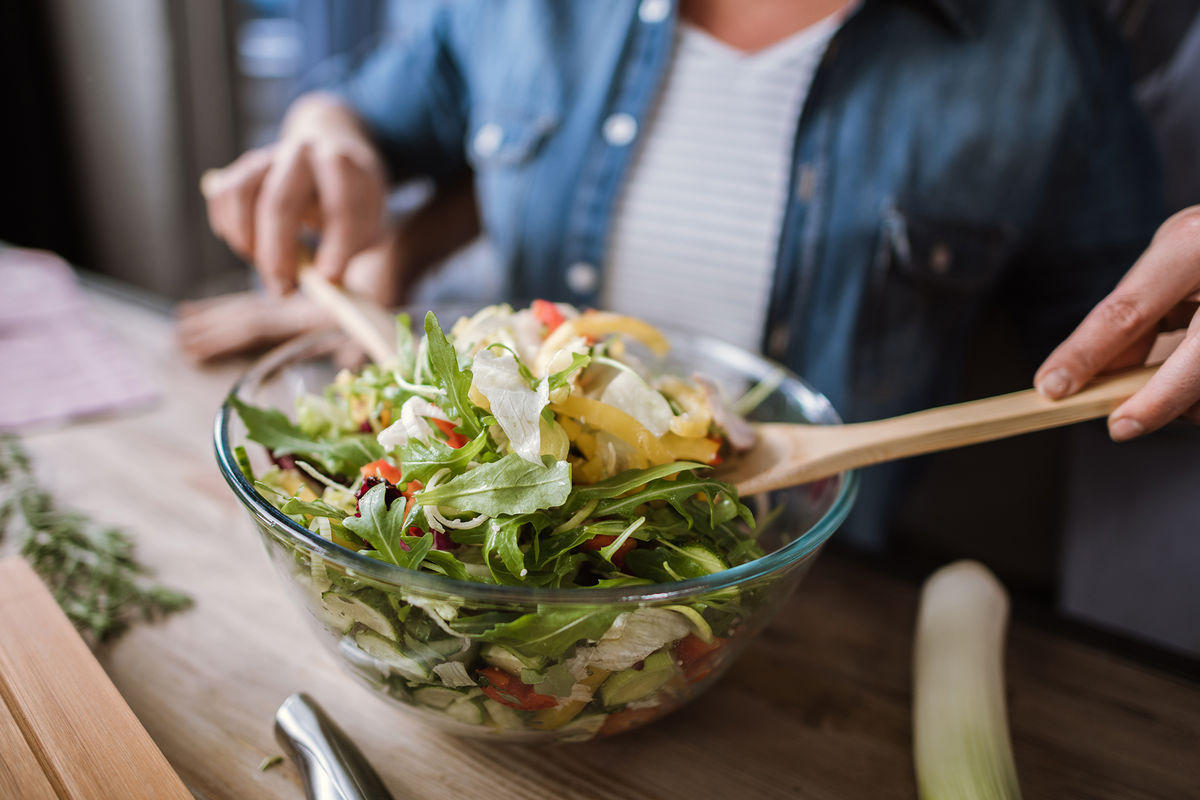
360	319
789	454
365	322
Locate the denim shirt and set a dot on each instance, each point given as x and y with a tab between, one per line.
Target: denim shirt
951	153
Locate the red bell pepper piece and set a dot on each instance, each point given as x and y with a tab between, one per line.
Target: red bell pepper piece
604	540
504	688
453	438
696	656
385	469
548	314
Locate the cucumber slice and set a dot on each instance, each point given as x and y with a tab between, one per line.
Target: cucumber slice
582	728
465	709
502	716
510	662
392	658
437	697
699	625
633	684
319	573
341	612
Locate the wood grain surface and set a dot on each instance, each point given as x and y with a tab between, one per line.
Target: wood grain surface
818	707
84	740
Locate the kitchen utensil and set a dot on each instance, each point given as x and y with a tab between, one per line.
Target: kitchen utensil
332	767
787	454
362	320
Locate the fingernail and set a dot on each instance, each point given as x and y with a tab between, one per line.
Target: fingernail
1124	429
1056	384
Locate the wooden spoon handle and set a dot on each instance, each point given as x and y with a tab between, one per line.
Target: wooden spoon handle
361	319
977	421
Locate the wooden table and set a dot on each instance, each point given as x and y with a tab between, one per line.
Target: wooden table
819	706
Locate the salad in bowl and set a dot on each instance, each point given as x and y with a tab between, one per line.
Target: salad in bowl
514	527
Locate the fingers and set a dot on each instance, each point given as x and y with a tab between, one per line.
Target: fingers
260	203
1173	391
223	326
230	195
352	204
288	192
1121	327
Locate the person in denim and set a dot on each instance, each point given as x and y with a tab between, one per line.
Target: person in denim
950	153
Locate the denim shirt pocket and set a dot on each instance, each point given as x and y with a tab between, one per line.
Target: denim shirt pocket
930	276
508	137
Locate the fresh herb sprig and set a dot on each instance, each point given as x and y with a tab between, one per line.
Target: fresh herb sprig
90	569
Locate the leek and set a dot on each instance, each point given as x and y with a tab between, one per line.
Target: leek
960	726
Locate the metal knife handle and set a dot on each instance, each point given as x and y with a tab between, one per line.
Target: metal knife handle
330	764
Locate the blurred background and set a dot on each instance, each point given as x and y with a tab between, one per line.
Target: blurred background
115	108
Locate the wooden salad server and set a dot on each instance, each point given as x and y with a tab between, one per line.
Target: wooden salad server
789	454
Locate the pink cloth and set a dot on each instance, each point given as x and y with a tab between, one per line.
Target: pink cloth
56	362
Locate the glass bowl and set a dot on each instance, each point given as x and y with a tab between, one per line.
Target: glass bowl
415	636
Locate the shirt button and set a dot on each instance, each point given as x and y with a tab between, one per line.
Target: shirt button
487	139
582	277
940	258
651	11
619	129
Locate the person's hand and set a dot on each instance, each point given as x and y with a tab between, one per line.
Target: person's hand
323	174
246	322
1160	292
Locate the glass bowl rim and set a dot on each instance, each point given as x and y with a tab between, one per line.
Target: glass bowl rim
777	561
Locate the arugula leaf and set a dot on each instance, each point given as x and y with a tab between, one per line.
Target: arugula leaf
560	543
502	538
629	480
551	629
313	508
447	564
418	548
560	378
677	493
381	527
509	486
608	551
273	430
243	462
662	565
406	350
477	625
420	460
450	377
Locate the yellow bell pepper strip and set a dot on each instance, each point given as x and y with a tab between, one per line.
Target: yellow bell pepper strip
596	324
604	417
551	718
696	416
590	470
580	437
699	449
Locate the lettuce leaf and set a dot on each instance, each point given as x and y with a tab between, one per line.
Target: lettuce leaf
516	407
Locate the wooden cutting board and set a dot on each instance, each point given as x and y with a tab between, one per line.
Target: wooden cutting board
65	731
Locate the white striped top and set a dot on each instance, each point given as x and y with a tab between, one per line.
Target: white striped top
697	224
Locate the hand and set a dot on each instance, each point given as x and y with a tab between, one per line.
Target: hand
1160	292
245	322
323	174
